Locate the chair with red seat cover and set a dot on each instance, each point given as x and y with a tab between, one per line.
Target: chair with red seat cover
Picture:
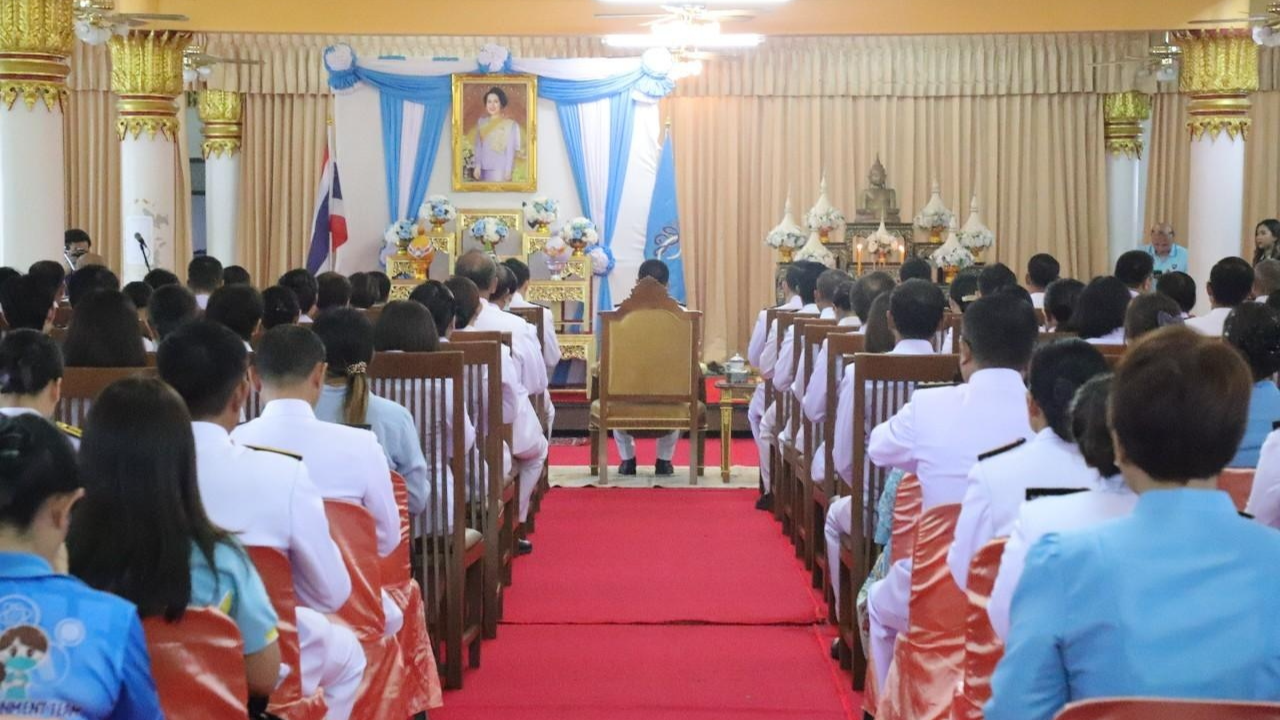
381	690
1238	483
277	576
928	657
1147	708
198	666
422	680
982	647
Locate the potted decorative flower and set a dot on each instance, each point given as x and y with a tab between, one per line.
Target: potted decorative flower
578	233
951	256
975	236
823	218
489	231
881	243
540	213
601	260
814	251
399	235
438	211
787	237
935	216
558	253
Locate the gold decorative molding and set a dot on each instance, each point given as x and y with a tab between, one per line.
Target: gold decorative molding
576	346
1219	70
220	111
534	241
1122	115
551	291
146	74
36	38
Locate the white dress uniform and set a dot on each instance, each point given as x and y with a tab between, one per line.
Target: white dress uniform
70	432
762	337
1037	300
799	380
286	513
998	486
815	392
1115	337
1106	499
1211	323
524	344
394	427
938	435
839	516
1264	497
783	373
551	354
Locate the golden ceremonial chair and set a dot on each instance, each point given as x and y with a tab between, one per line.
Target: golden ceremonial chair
650	374
82	385
808	334
841	349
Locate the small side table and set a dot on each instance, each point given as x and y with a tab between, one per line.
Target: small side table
732	395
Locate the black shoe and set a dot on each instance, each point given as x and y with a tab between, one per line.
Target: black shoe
835	649
765	502
628	467
663	468
523	547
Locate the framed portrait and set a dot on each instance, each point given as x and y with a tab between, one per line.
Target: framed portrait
495	133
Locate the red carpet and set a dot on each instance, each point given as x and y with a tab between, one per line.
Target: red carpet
657	604
742	452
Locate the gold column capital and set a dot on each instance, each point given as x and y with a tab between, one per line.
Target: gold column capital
146	74
36	39
1122	115
220	111
1219	70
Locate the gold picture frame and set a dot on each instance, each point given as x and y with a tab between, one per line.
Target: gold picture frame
509	160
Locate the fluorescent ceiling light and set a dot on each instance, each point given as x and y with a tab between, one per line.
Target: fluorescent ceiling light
707	3
695	40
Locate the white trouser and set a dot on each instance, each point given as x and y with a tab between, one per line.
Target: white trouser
888	609
529	464
332	659
627	445
755	415
839	524
551	413
393	618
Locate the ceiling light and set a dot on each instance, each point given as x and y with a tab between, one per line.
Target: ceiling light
705	3
696	40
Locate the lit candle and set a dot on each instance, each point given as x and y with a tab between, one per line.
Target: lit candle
859	258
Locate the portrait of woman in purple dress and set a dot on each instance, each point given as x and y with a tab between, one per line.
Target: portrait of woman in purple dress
495	140
493	133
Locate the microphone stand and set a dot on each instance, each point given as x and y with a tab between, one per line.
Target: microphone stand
142	244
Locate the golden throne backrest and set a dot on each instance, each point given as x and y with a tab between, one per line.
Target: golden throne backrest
650	346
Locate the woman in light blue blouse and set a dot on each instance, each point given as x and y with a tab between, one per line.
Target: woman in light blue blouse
1254	330
141	531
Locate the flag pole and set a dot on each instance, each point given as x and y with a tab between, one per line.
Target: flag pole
330	136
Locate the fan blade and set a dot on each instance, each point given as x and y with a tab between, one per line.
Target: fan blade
154	17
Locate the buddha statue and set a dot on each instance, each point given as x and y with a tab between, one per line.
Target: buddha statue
878	203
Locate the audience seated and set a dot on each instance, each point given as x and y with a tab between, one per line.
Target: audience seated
815	393
139	293
1042	271
1265	235
239	308
138	464
171	307
160	277
204	275
106	672
7	274
104	332
550	344
1180	287
31	378
993	277
1169	601
963	290
879	330
1148	312
87	280
332	291
236	275
1099	313
1060	300
51	275
479	268
915	269
506	287
279	307
1230	283
304	286
364	291
1135	268
406	326
1266	279
762	338
27	302
1254	330
382	282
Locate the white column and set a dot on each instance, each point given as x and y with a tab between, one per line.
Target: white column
220	113
1215	222
147	179
1122	130
1144	179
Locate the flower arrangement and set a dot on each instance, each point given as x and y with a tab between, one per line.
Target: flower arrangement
975	236
400	233
952	254
558	253
881	242
934	215
579	233
437	210
823	218
493	58
787	236
815	251
489	231
602	261
540	212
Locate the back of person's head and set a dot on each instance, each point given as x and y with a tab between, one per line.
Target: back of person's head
793	276
828	282
1101	306
382	283
171	307
1148	312
1016	291
287	355
519	269
1266	278
917	307
467	296
438	299
1060	299
142	514
1134	268
206	363
37	465
843	297
88	280
810	271
139	293
160	277
279	307
964	288
29	362
993	277
347	335
1090	428
1179	286
1000	331
332	291
7	274
915	268
1230	282
239	307
867	288
303	285
105	332
506	284
1042	269
26	301
1178	405
479	268
364	291
1057	370
236	275
49	274
655	269
204	274
406	326
1254	330
879	336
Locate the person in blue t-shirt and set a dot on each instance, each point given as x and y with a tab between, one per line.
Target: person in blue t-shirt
66	650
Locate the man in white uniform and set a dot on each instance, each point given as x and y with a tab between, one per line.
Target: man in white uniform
1134	269
1230	284
824	296
762	336
940	432
266	497
204	275
551	354
1042	269
480	269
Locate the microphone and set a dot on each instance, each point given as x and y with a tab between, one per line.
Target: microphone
143	244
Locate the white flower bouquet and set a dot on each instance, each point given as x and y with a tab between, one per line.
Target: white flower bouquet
934	214
601	260
975	235
787	234
437	210
400	233
881	241
814	251
489	231
952	254
558	253
540	212
823	218
579	233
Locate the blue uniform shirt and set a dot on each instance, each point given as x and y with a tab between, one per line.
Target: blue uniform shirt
1175	261
1178	600
67	650
234	587
393	425
1264	411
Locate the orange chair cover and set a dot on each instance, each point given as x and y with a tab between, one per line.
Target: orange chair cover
906	513
422	680
982	647
198	666
1145	709
927	660
1238	483
381	690
277	575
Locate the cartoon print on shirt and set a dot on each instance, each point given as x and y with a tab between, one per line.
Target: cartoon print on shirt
22	649
29	657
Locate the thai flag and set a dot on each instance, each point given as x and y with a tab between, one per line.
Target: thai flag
329	229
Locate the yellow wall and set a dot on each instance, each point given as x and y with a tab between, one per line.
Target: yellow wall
574	17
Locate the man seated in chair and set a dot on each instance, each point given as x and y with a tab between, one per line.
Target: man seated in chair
662	467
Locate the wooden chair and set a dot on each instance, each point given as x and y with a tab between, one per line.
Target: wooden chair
841	348
808	438
656	389
277	577
982	647
62	316
81	386
953	322
782	409
1112	350
198	666
535	316
1238	483
1148	708
774	460
797	472
884	385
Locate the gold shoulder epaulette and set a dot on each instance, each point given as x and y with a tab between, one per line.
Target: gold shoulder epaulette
277	451
71	430
1001	450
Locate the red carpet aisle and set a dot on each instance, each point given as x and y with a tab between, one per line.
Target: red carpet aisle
657	604
742	453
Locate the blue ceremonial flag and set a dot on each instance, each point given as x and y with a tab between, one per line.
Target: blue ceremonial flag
662	240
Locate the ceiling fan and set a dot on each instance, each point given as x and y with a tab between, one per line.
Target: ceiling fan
1162	60
196	63
97	20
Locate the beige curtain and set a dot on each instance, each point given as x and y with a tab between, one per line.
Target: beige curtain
1036	163
1262	165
